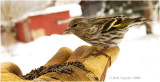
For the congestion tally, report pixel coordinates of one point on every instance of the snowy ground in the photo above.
(138, 61)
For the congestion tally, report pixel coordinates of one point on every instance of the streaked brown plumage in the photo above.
(102, 31)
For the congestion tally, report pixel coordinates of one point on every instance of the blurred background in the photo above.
(25, 21)
(32, 31)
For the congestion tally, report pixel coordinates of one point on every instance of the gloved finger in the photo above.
(10, 68)
(61, 56)
(113, 55)
(77, 53)
(10, 72)
(97, 64)
(87, 53)
(103, 76)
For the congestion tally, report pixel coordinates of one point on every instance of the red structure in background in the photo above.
(36, 26)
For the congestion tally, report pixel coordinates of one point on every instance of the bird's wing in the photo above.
(127, 21)
(108, 24)
(101, 22)
(121, 22)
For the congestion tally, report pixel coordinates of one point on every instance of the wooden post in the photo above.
(148, 13)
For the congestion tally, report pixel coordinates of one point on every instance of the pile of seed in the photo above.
(58, 68)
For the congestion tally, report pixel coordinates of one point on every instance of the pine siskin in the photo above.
(102, 31)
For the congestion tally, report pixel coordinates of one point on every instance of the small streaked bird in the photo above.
(102, 31)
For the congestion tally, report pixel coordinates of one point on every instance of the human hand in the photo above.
(67, 65)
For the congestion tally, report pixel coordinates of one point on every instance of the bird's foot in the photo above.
(100, 52)
(97, 52)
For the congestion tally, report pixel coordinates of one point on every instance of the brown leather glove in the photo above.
(66, 65)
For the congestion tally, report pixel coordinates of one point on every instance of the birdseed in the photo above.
(58, 68)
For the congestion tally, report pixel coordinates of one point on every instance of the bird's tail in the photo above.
(141, 19)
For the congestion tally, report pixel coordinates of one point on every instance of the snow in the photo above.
(138, 60)
(35, 54)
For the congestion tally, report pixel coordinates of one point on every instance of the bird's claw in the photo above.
(97, 52)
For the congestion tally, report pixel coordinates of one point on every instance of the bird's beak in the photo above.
(67, 31)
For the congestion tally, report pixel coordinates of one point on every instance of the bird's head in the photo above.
(76, 26)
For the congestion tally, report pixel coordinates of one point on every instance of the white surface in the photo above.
(139, 55)
(139, 58)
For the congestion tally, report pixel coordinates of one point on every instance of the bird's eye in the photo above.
(74, 25)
